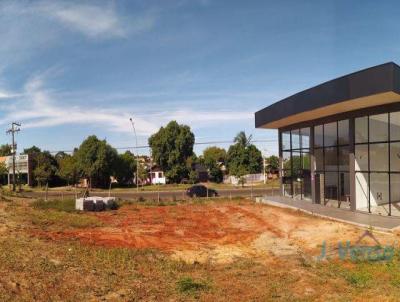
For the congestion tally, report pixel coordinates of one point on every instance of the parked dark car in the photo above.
(200, 191)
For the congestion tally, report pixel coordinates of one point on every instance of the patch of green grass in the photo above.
(51, 216)
(66, 205)
(187, 285)
(48, 218)
(359, 279)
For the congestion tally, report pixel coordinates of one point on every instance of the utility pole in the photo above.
(137, 156)
(14, 129)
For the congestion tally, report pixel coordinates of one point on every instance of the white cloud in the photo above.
(202, 118)
(38, 107)
(91, 20)
(94, 19)
(4, 94)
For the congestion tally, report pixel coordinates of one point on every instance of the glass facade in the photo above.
(372, 140)
(296, 163)
(377, 163)
(332, 164)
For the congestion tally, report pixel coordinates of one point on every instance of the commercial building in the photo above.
(339, 142)
(23, 173)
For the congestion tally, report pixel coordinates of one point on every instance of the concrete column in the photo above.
(352, 164)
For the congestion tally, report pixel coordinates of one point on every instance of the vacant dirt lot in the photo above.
(209, 251)
(216, 232)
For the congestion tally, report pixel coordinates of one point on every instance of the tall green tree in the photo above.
(96, 160)
(243, 157)
(213, 158)
(67, 168)
(125, 167)
(44, 166)
(214, 155)
(171, 147)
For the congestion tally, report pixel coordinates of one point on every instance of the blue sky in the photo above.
(70, 69)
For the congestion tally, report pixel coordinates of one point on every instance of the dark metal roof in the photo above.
(374, 80)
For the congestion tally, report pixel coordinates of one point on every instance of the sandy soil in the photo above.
(217, 233)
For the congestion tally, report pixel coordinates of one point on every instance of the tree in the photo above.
(5, 150)
(273, 163)
(44, 166)
(96, 160)
(67, 168)
(3, 173)
(125, 167)
(242, 139)
(216, 174)
(213, 158)
(171, 147)
(193, 177)
(243, 157)
(44, 169)
(32, 150)
(255, 159)
(212, 155)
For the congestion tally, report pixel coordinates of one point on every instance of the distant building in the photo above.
(23, 168)
(201, 171)
(157, 176)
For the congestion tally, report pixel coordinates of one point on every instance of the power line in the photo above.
(199, 143)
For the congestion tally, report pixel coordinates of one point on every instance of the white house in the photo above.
(157, 176)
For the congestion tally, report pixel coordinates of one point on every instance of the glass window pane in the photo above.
(286, 173)
(343, 158)
(318, 136)
(296, 159)
(331, 163)
(331, 185)
(395, 157)
(286, 140)
(344, 186)
(330, 134)
(362, 191)
(361, 131)
(395, 126)
(306, 161)
(307, 185)
(286, 160)
(319, 159)
(378, 127)
(379, 184)
(305, 138)
(379, 154)
(395, 193)
(296, 139)
(361, 155)
(343, 132)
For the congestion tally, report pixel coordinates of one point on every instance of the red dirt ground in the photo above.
(172, 227)
(226, 228)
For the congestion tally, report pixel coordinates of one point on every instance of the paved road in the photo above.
(133, 195)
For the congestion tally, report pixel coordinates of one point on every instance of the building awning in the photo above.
(374, 86)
